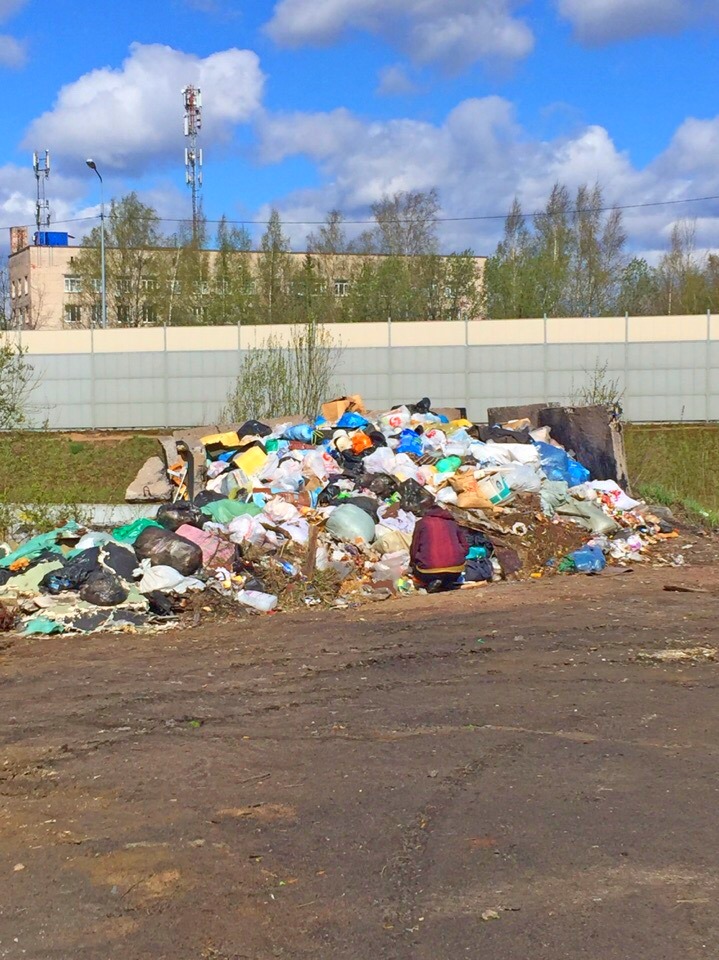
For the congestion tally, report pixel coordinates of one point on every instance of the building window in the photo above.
(73, 313)
(27, 286)
(148, 283)
(175, 286)
(72, 284)
(96, 314)
(202, 287)
(123, 315)
(124, 285)
(149, 313)
(12, 290)
(97, 284)
(342, 288)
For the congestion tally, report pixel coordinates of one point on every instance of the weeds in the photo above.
(34, 519)
(278, 379)
(599, 388)
(677, 466)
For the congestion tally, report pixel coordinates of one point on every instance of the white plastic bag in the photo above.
(395, 420)
(165, 579)
(521, 478)
(382, 460)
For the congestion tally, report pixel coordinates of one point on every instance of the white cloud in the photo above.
(452, 33)
(479, 158)
(12, 52)
(17, 198)
(129, 117)
(10, 7)
(394, 82)
(604, 21)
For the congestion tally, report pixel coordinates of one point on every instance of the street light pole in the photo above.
(103, 320)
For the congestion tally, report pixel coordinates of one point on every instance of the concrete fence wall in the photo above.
(668, 367)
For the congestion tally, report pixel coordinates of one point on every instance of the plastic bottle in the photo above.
(263, 602)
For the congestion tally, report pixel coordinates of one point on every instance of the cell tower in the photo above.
(193, 157)
(41, 166)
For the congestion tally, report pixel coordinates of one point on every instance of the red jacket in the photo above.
(438, 543)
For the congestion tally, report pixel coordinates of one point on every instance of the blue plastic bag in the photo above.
(577, 473)
(410, 442)
(303, 432)
(558, 465)
(588, 560)
(352, 421)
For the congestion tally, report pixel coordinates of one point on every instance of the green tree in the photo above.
(510, 274)
(597, 261)
(232, 286)
(553, 232)
(274, 273)
(684, 286)
(5, 302)
(135, 266)
(639, 289)
(406, 224)
(330, 239)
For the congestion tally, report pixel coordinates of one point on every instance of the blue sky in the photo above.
(315, 104)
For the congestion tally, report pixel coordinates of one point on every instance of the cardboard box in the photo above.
(333, 410)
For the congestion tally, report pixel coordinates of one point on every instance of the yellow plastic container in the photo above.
(251, 461)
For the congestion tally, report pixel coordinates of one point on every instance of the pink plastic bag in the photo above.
(215, 552)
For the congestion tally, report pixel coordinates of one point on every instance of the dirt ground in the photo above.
(499, 773)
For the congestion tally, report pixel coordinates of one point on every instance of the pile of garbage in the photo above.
(349, 508)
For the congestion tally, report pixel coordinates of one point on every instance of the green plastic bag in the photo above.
(225, 511)
(131, 531)
(449, 464)
(33, 548)
(43, 627)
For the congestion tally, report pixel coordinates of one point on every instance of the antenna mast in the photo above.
(193, 157)
(41, 166)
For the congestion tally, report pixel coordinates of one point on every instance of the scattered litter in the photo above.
(688, 655)
(349, 508)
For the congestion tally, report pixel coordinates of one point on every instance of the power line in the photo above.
(471, 219)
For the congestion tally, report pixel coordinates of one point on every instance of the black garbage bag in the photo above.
(164, 548)
(5, 575)
(382, 485)
(329, 495)
(120, 560)
(498, 434)
(161, 604)
(73, 573)
(414, 498)
(378, 439)
(478, 569)
(174, 515)
(103, 589)
(207, 496)
(351, 463)
(253, 428)
(422, 406)
(368, 504)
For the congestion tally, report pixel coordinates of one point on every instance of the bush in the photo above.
(278, 380)
(17, 382)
